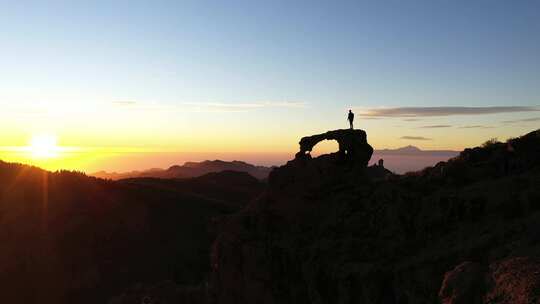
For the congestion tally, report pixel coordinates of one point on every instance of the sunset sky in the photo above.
(141, 84)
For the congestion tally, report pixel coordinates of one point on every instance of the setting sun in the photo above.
(44, 146)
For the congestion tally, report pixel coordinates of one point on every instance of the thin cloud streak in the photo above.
(442, 111)
(241, 107)
(415, 138)
(476, 127)
(210, 107)
(522, 120)
(23, 108)
(124, 103)
(435, 127)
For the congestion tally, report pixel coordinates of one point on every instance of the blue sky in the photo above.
(293, 67)
(379, 53)
(389, 52)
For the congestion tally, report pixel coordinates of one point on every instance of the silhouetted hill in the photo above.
(325, 231)
(328, 229)
(191, 169)
(70, 238)
(129, 174)
(229, 188)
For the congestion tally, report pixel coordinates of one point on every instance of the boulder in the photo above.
(464, 284)
(513, 280)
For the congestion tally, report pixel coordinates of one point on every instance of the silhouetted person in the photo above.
(351, 118)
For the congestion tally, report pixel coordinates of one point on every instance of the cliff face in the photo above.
(327, 231)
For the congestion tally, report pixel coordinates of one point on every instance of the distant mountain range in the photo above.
(410, 158)
(191, 169)
(400, 160)
(413, 150)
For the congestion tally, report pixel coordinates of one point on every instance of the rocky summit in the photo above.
(305, 173)
(326, 231)
(353, 146)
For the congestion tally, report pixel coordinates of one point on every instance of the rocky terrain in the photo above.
(329, 230)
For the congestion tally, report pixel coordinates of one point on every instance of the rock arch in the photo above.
(352, 145)
(324, 147)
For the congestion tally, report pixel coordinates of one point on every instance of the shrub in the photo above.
(490, 143)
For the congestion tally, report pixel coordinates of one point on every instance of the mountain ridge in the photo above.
(410, 149)
(326, 232)
(191, 169)
(400, 160)
(73, 238)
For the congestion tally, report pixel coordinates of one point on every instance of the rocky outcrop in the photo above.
(243, 269)
(305, 173)
(325, 231)
(353, 146)
(464, 284)
(510, 281)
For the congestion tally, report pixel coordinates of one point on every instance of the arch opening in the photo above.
(325, 147)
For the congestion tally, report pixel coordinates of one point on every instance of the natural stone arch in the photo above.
(352, 145)
(325, 146)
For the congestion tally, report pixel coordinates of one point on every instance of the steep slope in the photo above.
(70, 238)
(325, 231)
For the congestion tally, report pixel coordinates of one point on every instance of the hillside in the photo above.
(228, 188)
(463, 231)
(70, 238)
(191, 169)
(329, 229)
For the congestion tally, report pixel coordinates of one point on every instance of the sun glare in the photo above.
(44, 146)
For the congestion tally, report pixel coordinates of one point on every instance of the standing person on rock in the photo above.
(350, 118)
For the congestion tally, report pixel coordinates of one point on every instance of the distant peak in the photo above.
(409, 148)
